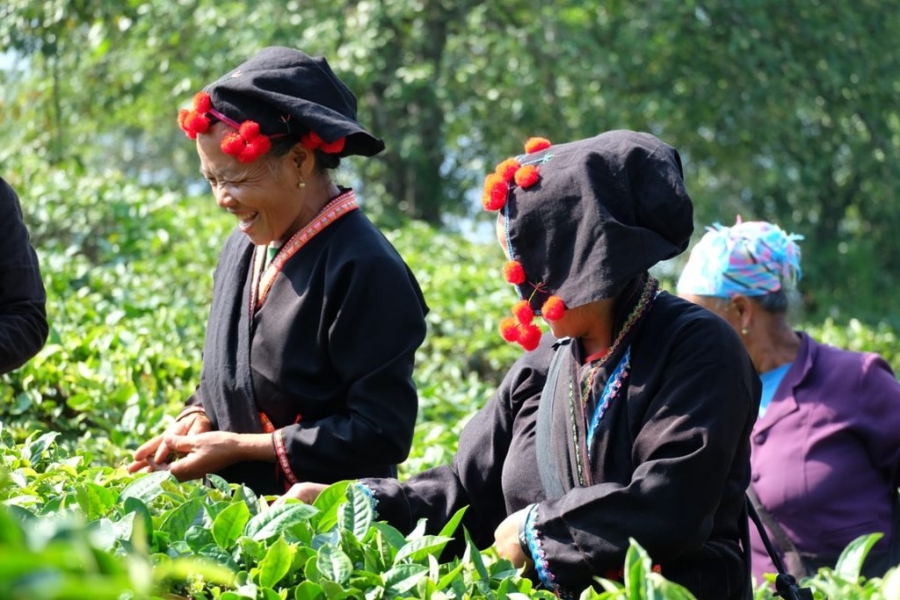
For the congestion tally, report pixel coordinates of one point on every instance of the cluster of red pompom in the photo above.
(312, 141)
(520, 328)
(496, 184)
(195, 121)
(247, 143)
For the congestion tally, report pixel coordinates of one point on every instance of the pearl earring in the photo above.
(744, 331)
(301, 184)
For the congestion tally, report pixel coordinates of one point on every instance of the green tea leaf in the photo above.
(356, 515)
(147, 488)
(422, 547)
(177, 521)
(478, 561)
(402, 578)
(219, 483)
(308, 590)
(851, 560)
(276, 564)
(450, 527)
(143, 524)
(328, 503)
(276, 520)
(333, 564)
(95, 500)
(35, 449)
(229, 525)
(450, 576)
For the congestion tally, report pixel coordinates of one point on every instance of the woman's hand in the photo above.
(203, 453)
(506, 539)
(153, 455)
(306, 492)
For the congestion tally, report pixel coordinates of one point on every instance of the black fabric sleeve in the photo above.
(476, 477)
(23, 317)
(374, 332)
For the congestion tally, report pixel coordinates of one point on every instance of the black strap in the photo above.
(785, 584)
(793, 562)
(547, 466)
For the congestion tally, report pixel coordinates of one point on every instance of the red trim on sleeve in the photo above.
(281, 454)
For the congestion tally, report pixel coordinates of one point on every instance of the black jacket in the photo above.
(670, 460)
(23, 317)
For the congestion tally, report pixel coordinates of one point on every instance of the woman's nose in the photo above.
(223, 197)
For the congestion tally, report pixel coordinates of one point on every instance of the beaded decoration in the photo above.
(247, 142)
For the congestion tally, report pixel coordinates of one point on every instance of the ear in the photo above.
(745, 310)
(303, 159)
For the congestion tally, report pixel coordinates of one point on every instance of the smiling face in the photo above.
(263, 195)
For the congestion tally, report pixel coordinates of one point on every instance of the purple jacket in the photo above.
(827, 451)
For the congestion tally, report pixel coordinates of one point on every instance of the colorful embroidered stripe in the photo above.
(536, 548)
(610, 391)
(334, 210)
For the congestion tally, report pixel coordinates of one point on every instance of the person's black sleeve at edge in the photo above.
(23, 317)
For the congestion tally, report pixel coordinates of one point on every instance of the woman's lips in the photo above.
(246, 220)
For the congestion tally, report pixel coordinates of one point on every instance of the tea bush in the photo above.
(72, 529)
(128, 270)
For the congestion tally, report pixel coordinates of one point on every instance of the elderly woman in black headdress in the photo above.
(632, 419)
(315, 319)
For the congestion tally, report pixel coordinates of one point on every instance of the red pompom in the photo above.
(195, 121)
(201, 102)
(523, 312)
(249, 130)
(527, 176)
(494, 196)
(553, 308)
(507, 169)
(529, 336)
(311, 140)
(509, 329)
(247, 143)
(232, 144)
(192, 123)
(254, 149)
(536, 144)
(335, 147)
(514, 273)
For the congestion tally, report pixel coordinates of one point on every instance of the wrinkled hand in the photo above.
(153, 455)
(506, 539)
(306, 492)
(202, 453)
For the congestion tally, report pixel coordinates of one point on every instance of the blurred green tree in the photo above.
(783, 110)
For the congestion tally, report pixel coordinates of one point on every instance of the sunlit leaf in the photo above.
(229, 524)
(276, 564)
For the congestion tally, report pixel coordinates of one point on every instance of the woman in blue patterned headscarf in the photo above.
(825, 453)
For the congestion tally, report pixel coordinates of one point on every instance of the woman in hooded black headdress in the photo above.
(632, 419)
(315, 319)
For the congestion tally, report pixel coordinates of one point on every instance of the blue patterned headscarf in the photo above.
(753, 258)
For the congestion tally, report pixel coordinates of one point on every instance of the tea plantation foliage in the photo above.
(128, 273)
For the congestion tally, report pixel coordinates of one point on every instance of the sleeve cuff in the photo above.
(282, 457)
(531, 538)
